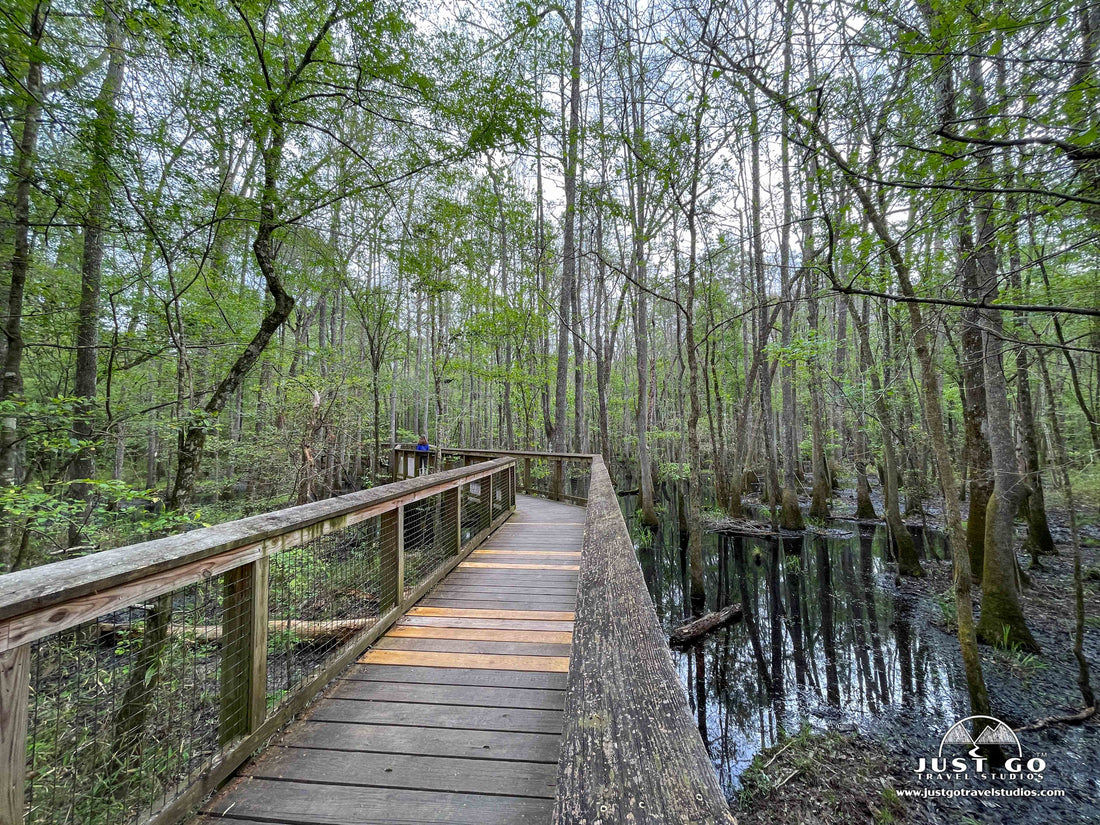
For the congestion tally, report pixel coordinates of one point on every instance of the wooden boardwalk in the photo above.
(455, 715)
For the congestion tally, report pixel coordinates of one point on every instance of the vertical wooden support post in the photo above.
(244, 650)
(15, 666)
(512, 488)
(555, 479)
(527, 475)
(392, 557)
(261, 580)
(452, 503)
(487, 489)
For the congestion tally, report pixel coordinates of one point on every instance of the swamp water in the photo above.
(829, 640)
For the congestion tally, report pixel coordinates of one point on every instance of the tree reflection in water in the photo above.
(825, 640)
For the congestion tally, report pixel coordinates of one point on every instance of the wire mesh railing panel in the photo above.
(500, 494)
(535, 479)
(123, 711)
(475, 515)
(578, 475)
(563, 478)
(431, 537)
(128, 711)
(322, 595)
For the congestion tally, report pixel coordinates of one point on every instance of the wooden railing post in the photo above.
(512, 487)
(244, 650)
(555, 479)
(15, 666)
(392, 556)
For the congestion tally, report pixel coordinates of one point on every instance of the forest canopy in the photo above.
(248, 247)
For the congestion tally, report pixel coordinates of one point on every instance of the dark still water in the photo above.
(829, 640)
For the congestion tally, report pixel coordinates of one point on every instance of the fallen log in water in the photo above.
(685, 634)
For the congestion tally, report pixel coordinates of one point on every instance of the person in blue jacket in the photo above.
(422, 450)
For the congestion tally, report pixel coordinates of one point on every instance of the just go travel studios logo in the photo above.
(992, 752)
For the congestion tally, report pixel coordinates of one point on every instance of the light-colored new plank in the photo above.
(484, 624)
(501, 565)
(550, 636)
(466, 661)
(496, 551)
(474, 613)
(541, 524)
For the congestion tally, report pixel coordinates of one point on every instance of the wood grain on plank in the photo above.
(510, 590)
(431, 694)
(511, 566)
(630, 749)
(487, 624)
(547, 545)
(479, 634)
(476, 661)
(426, 773)
(411, 714)
(14, 695)
(496, 551)
(499, 604)
(304, 803)
(540, 524)
(548, 601)
(472, 613)
(467, 744)
(452, 676)
(518, 582)
(466, 646)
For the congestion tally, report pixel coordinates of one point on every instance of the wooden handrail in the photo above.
(50, 585)
(40, 602)
(630, 749)
(401, 466)
(500, 451)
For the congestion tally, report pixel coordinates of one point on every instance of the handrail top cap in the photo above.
(38, 588)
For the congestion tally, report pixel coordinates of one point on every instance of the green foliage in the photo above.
(949, 615)
(674, 471)
(1013, 654)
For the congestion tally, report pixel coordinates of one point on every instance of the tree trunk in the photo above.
(976, 448)
(11, 343)
(569, 248)
(192, 437)
(908, 561)
(773, 494)
(790, 513)
(103, 137)
(865, 508)
(1002, 619)
(1061, 474)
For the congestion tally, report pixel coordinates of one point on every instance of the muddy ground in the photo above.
(853, 776)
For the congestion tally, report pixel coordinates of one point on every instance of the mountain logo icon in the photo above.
(990, 731)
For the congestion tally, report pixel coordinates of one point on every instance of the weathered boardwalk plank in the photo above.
(454, 716)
